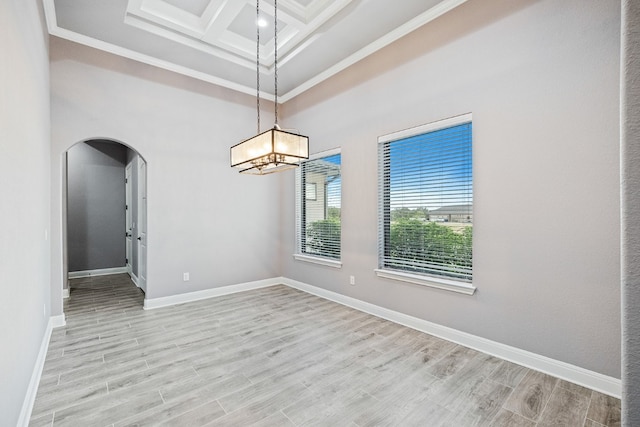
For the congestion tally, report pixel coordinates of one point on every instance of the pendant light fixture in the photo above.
(274, 150)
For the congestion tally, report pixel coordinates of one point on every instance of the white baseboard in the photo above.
(58, 321)
(65, 293)
(100, 272)
(32, 390)
(575, 374)
(208, 293)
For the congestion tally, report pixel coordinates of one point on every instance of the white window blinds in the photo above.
(426, 200)
(318, 204)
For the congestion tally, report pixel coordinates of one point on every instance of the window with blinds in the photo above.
(426, 200)
(318, 203)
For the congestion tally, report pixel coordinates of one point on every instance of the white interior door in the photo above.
(142, 225)
(129, 219)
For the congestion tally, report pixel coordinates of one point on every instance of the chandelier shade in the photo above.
(272, 151)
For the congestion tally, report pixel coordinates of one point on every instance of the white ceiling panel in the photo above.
(195, 7)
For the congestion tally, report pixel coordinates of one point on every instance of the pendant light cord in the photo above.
(275, 57)
(258, 61)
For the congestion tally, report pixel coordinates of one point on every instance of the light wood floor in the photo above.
(280, 357)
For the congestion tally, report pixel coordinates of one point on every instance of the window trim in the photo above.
(327, 262)
(427, 280)
(426, 128)
(422, 279)
(299, 255)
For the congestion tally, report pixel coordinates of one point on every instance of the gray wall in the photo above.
(630, 194)
(96, 205)
(542, 81)
(24, 191)
(203, 217)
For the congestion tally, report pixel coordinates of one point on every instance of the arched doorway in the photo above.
(104, 213)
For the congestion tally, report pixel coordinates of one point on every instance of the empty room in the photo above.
(320, 212)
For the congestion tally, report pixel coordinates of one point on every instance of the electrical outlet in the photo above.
(185, 277)
(352, 280)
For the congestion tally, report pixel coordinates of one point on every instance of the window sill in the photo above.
(433, 282)
(317, 260)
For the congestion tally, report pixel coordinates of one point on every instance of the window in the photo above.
(426, 205)
(318, 200)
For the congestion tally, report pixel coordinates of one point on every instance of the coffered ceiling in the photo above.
(215, 40)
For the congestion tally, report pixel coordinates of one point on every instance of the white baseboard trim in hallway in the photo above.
(208, 293)
(575, 374)
(100, 272)
(32, 390)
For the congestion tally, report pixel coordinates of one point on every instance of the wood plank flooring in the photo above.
(281, 357)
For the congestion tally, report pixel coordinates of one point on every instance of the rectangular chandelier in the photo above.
(272, 151)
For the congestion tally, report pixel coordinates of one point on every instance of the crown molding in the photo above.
(420, 20)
